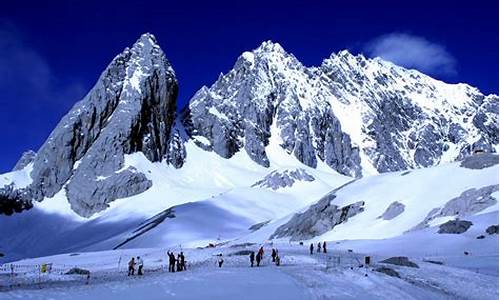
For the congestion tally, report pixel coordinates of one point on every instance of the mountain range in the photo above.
(265, 151)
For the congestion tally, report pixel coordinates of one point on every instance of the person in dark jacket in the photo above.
(273, 255)
(178, 262)
(311, 248)
(258, 258)
(183, 262)
(319, 247)
(171, 261)
(252, 258)
(324, 247)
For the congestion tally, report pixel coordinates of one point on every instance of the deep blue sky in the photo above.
(51, 54)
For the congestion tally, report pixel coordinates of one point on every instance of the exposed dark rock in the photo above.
(493, 229)
(400, 261)
(258, 226)
(388, 271)
(454, 227)
(468, 203)
(480, 237)
(286, 178)
(318, 219)
(436, 262)
(77, 271)
(14, 200)
(394, 210)
(480, 161)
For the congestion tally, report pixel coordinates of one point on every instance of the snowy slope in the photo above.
(429, 196)
(229, 206)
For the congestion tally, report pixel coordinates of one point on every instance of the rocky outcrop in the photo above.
(400, 261)
(27, 158)
(14, 200)
(318, 219)
(493, 229)
(468, 203)
(276, 179)
(454, 227)
(394, 210)
(479, 161)
(131, 108)
(388, 271)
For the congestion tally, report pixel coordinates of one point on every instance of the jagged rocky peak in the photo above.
(356, 114)
(269, 90)
(406, 119)
(131, 108)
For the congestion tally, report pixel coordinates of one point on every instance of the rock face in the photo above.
(347, 110)
(13, 200)
(394, 210)
(455, 227)
(269, 92)
(468, 203)
(286, 178)
(131, 108)
(400, 261)
(388, 271)
(493, 229)
(318, 219)
(27, 158)
(480, 161)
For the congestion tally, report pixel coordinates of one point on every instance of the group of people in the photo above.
(311, 248)
(260, 255)
(135, 262)
(179, 263)
(176, 264)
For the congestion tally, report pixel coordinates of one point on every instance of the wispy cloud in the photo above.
(25, 74)
(412, 51)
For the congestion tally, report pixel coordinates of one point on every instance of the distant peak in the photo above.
(270, 46)
(148, 37)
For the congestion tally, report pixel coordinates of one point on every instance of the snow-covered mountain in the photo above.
(252, 157)
(357, 115)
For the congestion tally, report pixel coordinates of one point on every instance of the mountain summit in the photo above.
(357, 115)
(131, 108)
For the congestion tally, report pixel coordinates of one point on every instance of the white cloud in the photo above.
(25, 74)
(413, 52)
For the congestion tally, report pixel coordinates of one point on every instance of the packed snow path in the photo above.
(301, 276)
(224, 283)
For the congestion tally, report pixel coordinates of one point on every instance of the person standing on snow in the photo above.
(273, 255)
(252, 258)
(324, 247)
(183, 262)
(311, 248)
(178, 262)
(258, 258)
(319, 247)
(140, 264)
(278, 259)
(171, 261)
(131, 267)
(220, 261)
(261, 252)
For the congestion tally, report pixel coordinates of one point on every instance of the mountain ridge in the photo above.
(358, 116)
